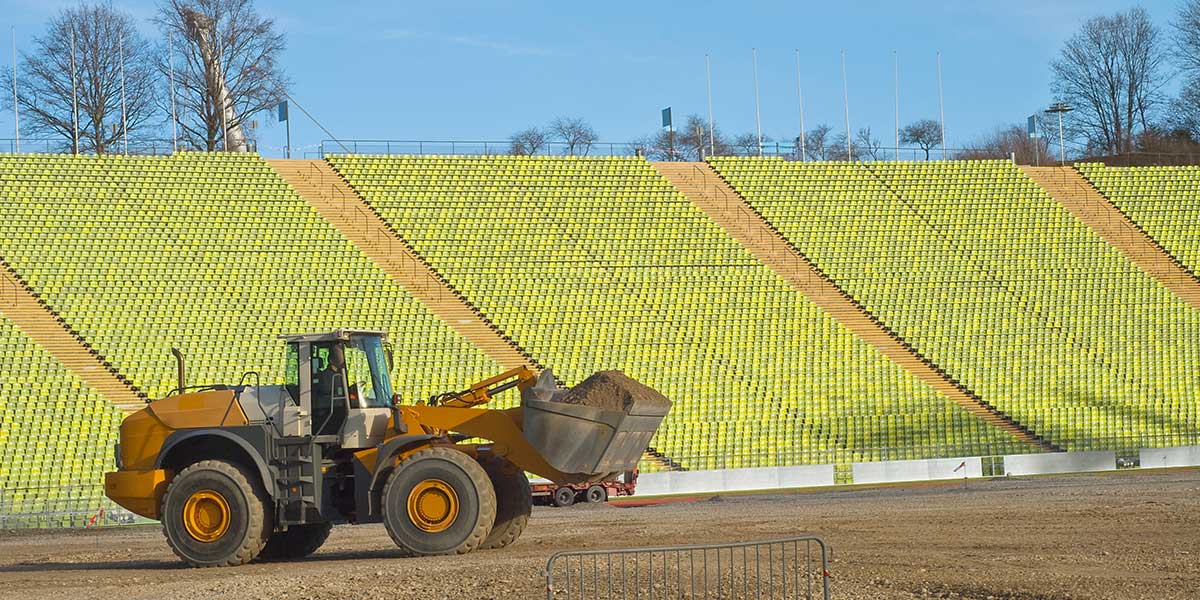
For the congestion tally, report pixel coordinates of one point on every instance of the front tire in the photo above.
(215, 515)
(298, 541)
(514, 501)
(438, 501)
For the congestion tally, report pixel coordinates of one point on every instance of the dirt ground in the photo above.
(1127, 535)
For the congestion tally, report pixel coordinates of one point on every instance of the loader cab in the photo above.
(341, 386)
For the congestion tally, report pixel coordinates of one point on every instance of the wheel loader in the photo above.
(245, 471)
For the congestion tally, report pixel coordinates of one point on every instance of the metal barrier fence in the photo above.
(789, 568)
(68, 506)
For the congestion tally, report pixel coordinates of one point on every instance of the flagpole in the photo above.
(171, 74)
(800, 97)
(16, 108)
(708, 87)
(124, 118)
(941, 104)
(757, 113)
(896, 55)
(74, 94)
(846, 103)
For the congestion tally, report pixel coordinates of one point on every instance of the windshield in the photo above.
(367, 372)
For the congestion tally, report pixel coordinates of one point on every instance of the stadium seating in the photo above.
(56, 437)
(599, 263)
(986, 275)
(1161, 200)
(211, 253)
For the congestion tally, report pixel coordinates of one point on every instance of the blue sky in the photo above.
(481, 70)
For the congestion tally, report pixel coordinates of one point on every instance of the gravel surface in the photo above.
(1127, 535)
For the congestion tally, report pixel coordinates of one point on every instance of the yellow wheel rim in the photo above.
(432, 505)
(206, 516)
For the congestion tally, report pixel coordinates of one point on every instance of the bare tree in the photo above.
(527, 142)
(925, 133)
(228, 71)
(868, 145)
(101, 35)
(747, 144)
(575, 132)
(694, 140)
(1110, 72)
(1006, 142)
(1185, 109)
(816, 142)
(664, 145)
(835, 148)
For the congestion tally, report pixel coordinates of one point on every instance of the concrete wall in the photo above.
(917, 470)
(768, 478)
(1186, 456)
(1060, 462)
(733, 480)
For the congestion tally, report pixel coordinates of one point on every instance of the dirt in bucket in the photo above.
(613, 390)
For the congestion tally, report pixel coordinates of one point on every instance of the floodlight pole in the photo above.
(1060, 108)
(757, 113)
(846, 104)
(708, 88)
(800, 99)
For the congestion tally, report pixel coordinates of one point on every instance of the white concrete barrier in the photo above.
(733, 480)
(889, 471)
(1157, 458)
(1060, 462)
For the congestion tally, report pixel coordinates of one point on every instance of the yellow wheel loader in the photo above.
(236, 472)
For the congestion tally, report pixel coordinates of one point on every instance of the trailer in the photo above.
(548, 493)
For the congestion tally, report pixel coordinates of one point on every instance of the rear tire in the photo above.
(298, 541)
(514, 501)
(438, 501)
(596, 494)
(215, 515)
(564, 497)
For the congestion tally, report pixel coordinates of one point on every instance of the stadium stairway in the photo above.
(712, 194)
(39, 321)
(1082, 199)
(330, 194)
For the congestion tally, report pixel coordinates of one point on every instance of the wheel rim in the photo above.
(206, 516)
(432, 505)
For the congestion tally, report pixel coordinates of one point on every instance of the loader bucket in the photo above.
(577, 438)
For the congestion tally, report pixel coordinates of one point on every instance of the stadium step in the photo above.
(1075, 193)
(40, 322)
(709, 192)
(332, 197)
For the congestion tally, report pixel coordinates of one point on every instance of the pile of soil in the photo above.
(613, 390)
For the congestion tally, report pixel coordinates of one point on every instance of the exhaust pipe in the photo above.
(182, 374)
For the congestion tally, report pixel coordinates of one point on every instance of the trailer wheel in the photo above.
(297, 542)
(438, 501)
(514, 501)
(596, 494)
(564, 497)
(214, 514)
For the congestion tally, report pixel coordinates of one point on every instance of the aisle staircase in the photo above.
(39, 321)
(338, 203)
(727, 208)
(1083, 200)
